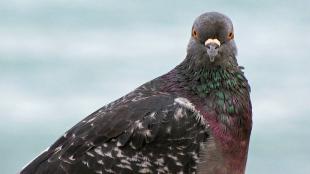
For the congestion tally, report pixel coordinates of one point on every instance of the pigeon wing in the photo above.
(149, 132)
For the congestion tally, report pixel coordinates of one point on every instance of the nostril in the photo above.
(212, 44)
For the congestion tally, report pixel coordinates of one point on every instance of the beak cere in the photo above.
(212, 48)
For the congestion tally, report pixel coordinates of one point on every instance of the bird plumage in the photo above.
(194, 119)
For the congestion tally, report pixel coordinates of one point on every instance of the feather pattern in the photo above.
(144, 131)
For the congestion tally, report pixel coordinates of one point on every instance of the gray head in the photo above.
(212, 40)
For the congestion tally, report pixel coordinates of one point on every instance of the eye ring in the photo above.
(230, 35)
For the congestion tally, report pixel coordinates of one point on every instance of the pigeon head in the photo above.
(212, 39)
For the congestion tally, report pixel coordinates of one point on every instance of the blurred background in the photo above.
(62, 60)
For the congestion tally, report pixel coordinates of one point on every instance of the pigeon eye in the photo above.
(230, 35)
(195, 34)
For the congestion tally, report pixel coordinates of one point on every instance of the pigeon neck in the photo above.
(216, 78)
(204, 79)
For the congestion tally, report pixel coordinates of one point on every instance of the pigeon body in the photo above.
(194, 119)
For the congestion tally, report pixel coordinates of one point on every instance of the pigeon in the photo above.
(197, 118)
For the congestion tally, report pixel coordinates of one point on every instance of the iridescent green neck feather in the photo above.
(218, 78)
(225, 86)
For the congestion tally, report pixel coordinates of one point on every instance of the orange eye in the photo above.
(230, 36)
(194, 34)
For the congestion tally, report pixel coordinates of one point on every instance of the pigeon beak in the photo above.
(212, 48)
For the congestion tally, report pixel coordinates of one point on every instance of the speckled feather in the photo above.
(194, 119)
(144, 132)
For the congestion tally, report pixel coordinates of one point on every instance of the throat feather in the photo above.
(217, 79)
(224, 91)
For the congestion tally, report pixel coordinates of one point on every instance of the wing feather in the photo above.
(118, 137)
